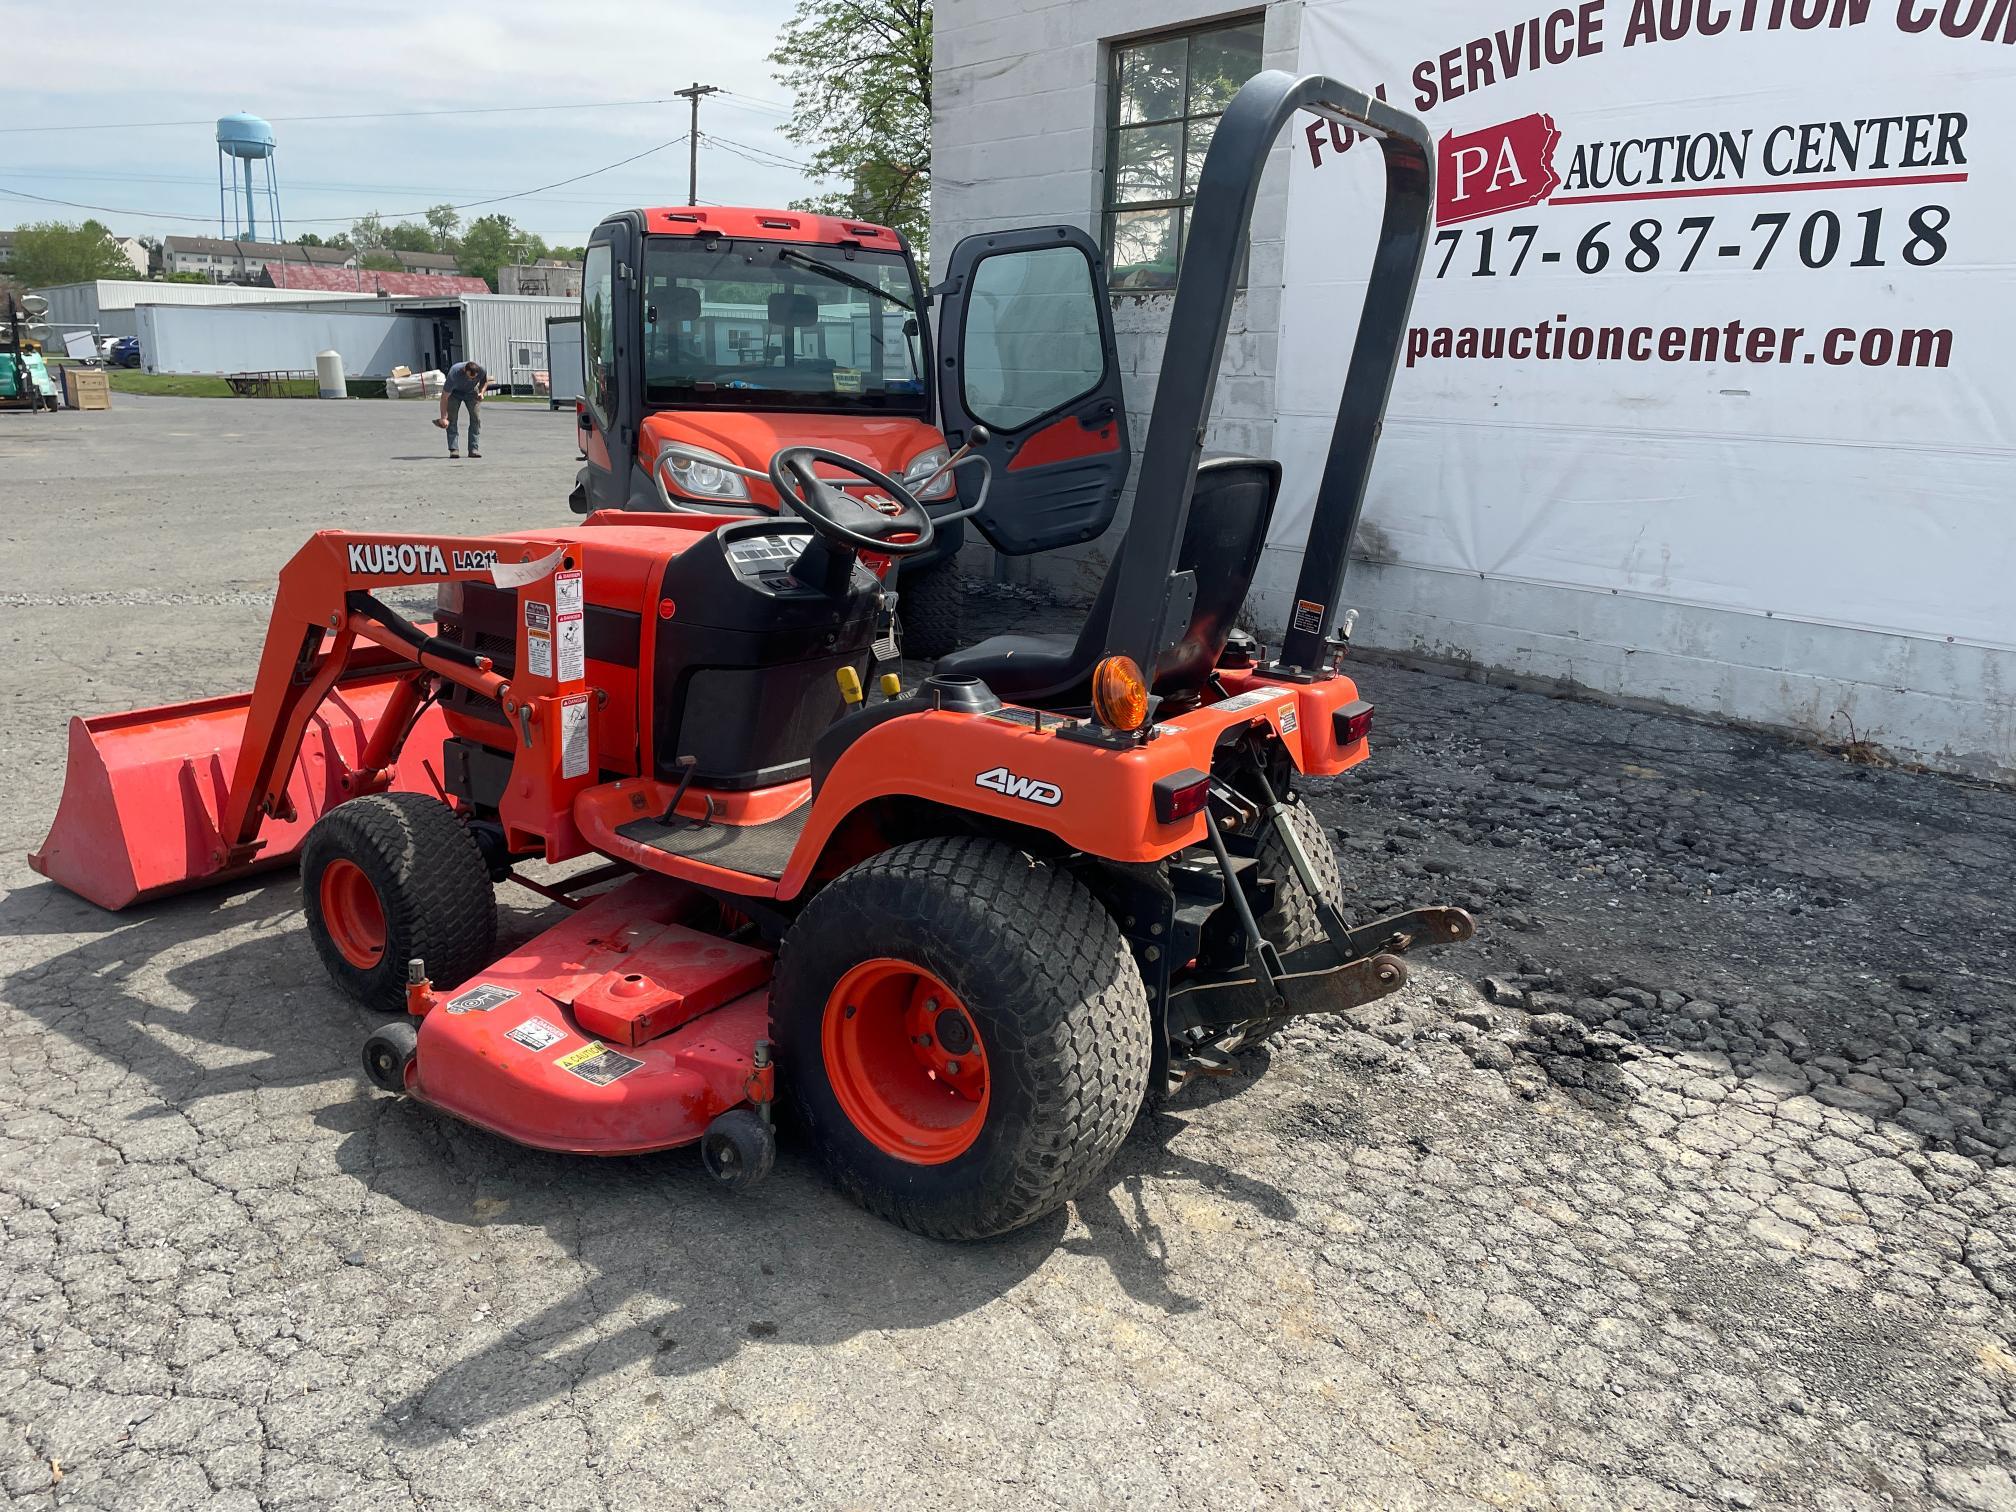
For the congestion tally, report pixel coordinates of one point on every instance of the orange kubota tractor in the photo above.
(714, 338)
(959, 932)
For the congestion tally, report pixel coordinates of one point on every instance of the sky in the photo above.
(178, 63)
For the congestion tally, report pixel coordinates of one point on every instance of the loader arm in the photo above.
(324, 607)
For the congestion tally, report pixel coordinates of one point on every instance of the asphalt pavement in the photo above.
(1691, 1182)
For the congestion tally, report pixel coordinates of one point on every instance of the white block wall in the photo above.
(1019, 139)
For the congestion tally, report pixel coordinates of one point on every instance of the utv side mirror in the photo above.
(910, 326)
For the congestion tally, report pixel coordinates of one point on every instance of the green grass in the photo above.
(180, 385)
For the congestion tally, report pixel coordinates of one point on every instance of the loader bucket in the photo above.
(144, 790)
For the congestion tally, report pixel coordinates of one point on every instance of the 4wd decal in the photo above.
(1030, 789)
(409, 559)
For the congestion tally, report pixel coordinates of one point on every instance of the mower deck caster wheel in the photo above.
(738, 1149)
(387, 1054)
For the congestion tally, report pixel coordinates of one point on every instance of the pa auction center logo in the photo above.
(1497, 168)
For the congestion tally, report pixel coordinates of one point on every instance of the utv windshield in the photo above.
(780, 325)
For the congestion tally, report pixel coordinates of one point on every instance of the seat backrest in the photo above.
(1230, 510)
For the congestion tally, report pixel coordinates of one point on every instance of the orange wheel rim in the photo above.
(352, 913)
(905, 1061)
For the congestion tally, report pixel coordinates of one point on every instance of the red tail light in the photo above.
(1181, 794)
(1352, 723)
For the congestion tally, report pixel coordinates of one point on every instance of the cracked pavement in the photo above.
(1690, 1182)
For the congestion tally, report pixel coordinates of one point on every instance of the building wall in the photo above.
(1019, 139)
(1020, 100)
(196, 339)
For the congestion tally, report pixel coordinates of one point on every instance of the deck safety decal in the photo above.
(536, 1034)
(1309, 616)
(481, 998)
(595, 1062)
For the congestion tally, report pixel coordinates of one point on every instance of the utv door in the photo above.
(611, 401)
(1025, 335)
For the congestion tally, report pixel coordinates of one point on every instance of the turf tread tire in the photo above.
(1053, 990)
(432, 883)
(932, 603)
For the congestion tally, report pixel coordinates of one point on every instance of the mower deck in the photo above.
(617, 1031)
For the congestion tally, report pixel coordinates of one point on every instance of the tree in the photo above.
(51, 252)
(444, 221)
(860, 76)
(409, 236)
(367, 232)
(379, 262)
(309, 239)
(494, 240)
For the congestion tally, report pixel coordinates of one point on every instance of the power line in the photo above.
(753, 152)
(317, 220)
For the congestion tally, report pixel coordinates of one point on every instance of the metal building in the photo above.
(106, 304)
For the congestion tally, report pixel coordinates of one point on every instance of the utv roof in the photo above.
(767, 225)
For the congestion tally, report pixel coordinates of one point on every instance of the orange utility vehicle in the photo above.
(715, 337)
(959, 932)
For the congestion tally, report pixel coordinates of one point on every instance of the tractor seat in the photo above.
(1230, 508)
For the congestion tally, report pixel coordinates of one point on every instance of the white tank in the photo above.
(329, 382)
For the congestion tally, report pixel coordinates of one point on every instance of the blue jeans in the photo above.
(457, 403)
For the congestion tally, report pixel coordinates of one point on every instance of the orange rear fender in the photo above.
(1093, 798)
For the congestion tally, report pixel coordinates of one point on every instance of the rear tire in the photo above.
(1292, 921)
(1040, 1060)
(390, 877)
(932, 602)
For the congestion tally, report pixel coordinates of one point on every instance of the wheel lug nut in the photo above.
(951, 1068)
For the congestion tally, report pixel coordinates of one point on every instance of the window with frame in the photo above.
(1165, 96)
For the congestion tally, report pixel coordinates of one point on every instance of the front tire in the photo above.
(390, 877)
(932, 602)
(964, 1034)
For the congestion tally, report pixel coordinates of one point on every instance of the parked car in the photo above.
(125, 352)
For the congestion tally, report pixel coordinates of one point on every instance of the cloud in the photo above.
(174, 64)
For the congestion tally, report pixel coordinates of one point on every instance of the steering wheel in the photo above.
(840, 518)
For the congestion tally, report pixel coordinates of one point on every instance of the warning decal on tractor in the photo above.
(538, 616)
(538, 652)
(573, 649)
(481, 998)
(596, 1062)
(1309, 616)
(574, 736)
(536, 1034)
(567, 593)
(1248, 700)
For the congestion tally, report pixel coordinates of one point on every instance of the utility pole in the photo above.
(693, 93)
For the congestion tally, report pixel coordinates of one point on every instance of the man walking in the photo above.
(466, 386)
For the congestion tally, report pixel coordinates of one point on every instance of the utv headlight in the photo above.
(922, 466)
(694, 478)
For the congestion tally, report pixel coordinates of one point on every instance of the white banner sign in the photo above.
(1719, 308)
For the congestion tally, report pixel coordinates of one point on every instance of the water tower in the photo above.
(244, 142)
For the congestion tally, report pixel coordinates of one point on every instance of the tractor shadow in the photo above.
(597, 1266)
